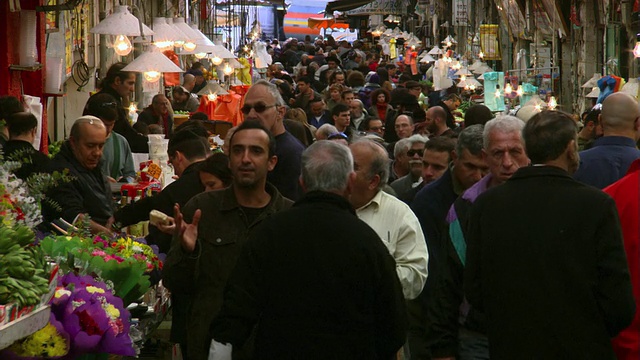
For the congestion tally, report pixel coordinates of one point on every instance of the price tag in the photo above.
(154, 171)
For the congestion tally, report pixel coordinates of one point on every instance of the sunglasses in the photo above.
(413, 152)
(376, 128)
(259, 108)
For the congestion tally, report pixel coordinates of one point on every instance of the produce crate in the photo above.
(24, 326)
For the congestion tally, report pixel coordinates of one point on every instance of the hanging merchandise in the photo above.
(263, 59)
(243, 73)
(490, 41)
(440, 72)
(33, 105)
(392, 48)
(631, 88)
(528, 91)
(608, 85)
(493, 91)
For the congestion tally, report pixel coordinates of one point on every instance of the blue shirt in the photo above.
(607, 161)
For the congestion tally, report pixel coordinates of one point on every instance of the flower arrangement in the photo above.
(50, 342)
(95, 319)
(16, 205)
(124, 263)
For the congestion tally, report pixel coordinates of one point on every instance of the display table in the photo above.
(24, 326)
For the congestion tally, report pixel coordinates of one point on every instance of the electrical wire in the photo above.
(80, 72)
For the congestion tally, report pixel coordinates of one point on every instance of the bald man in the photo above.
(89, 192)
(436, 122)
(189, 82)
(612, 154)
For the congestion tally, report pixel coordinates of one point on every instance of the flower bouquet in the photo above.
(124, 263)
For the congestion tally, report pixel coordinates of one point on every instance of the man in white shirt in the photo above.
(393, 220)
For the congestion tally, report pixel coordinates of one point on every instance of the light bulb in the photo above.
(152, 76)
(481, 55)
(463, 77)
(133, 108)
(413, 47)
(122, 45)
(636, 50)
(189, 46)
(245, 48)
(163, 45)
(178, 43)
(472, 87)
(212, 97)
(228, 70)
(201, 55)
(216, 60)
(497, 93)
(250, 54)
(520, 90)
(552, 103)
(538, 107)
(508, 89)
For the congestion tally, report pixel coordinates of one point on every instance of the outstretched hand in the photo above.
(188, 233)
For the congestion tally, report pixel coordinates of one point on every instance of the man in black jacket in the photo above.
(23, 128)
(120, 84)
(330, 293)
(89, 192)
(553, 281)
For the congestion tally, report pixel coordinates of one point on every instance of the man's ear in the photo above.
(302, 184)
(351, 180)
(281, 111)
(374, 183)
(272, 163)
(454, 155)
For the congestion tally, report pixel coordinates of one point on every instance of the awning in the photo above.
(323, 23)
(382, 7)
(344, 5)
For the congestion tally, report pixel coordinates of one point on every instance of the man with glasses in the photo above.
(264, 103)
(117, 160)
(404, 185)
(392, 219)
(374, 126)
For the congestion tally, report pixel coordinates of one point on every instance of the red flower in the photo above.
(89, 325)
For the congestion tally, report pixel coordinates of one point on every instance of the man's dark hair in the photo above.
(304, 79)
(401, 96)
(115, 72)
(593, 115)
(21, 123)
(355, 78)
(190, 144)
(180, 90)
(345, 92)
(455, 97)
(441, 144)
(103, 106)
(9, 105)
(339, 108)
(404, 78)
(199, 115)
(195, 126)
(477, 115)
(547, 134)
(419, 115)
(314, 100)
(390, 66)
(471, 139)
(255, 124)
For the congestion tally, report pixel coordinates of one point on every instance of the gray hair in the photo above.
(505, 124)
(417, 138)
(379, 161)
(359, 102)
(471, 139)
(273, 90)
(326, 166)
(324, 131)
(402, 146)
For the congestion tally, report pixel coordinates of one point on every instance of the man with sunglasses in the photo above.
(404, 185)
(264, 104)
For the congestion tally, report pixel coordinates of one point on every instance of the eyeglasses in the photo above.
(109, 104)
(412, 153)
(259, 108)
(338, 136)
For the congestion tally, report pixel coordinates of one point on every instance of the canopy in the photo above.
(323, 23)
(344, 5)
(381, 7)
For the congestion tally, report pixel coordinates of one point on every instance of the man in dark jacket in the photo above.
(327, 294)
(449, 104)
(23, 128)
(553, 281)
(204, 252)
(89, 192)
(120, 84)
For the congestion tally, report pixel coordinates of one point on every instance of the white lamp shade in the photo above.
(164, 32)
(472, 81)
(222, 52)
(152, 60)
(202, 39)
(186, 29)
(631, 87)
(180, 35)
(476, 64)
(427, 59)
(595, 93)
(213, 87)
(435, 51)
(592, 82)
(121, 22)
(464, 71)
(234, 63)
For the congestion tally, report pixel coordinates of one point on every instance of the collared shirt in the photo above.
(400, 231)
(607, 161)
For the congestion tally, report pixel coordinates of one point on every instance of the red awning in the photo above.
(323, 23)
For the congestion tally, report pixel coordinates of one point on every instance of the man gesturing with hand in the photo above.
(212, 228)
